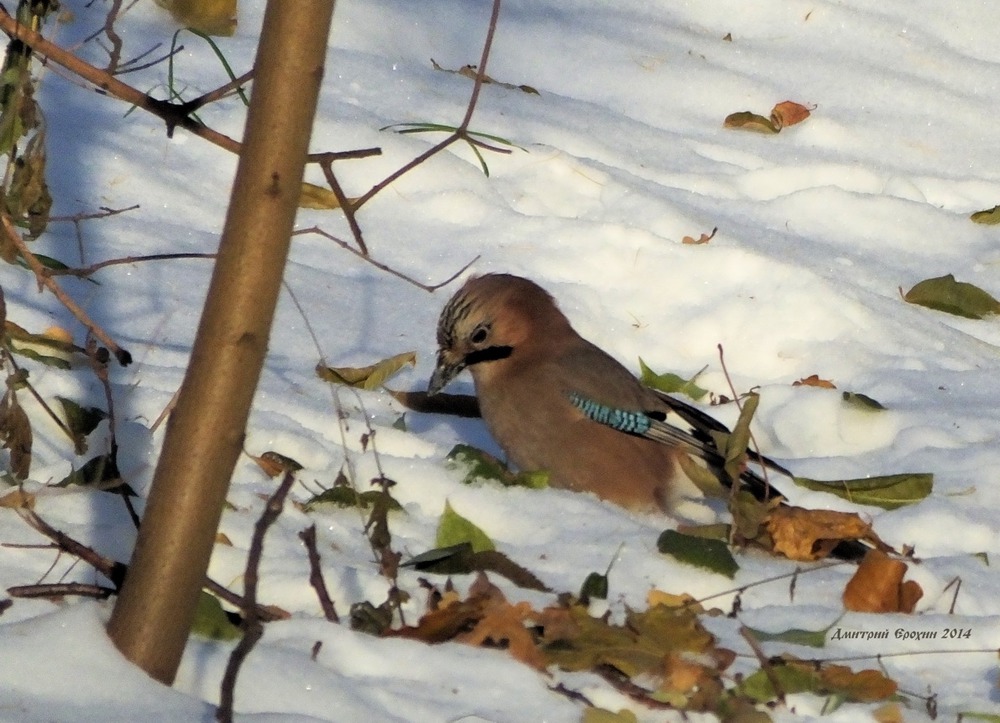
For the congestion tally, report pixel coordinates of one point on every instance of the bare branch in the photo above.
(308, 537)
(252, 627)
(44, 279)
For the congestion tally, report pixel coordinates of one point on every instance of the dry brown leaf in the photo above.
(484, 619)
(813, 380)
(802, 534)
(275, 464)
(788, 113)
(221, 538)
(878, 586)
(866, 686)
(703, 239)
(688, 683)
(16, 435)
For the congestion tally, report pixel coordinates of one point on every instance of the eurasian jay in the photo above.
(555, 402)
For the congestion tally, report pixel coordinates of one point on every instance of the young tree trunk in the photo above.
(153, 615)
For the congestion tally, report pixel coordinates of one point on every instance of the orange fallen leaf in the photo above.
(788, 113)
(18, 499)
(813, 380)
(878, 586)
(703, 239)
(275, 464)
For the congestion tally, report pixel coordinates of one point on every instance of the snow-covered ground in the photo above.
(623, 154)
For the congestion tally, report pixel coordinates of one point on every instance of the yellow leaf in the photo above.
(317, 197)
(369, 377)
(212, 17)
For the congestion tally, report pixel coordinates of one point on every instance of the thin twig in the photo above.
(116, 571)
(378, 264)
(103, 213)
(85, 271)
(308, 537)
(460, 133)
(345, 205)
(174, 115)
(122, 355)
(59, 589)
(253, 628)
(765, 664)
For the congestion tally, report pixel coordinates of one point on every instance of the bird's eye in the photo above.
(480, 334)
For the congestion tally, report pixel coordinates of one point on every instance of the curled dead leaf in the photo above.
(745, 120)
(802, 534)
(369, 377)
(703, 239)
(813, 380)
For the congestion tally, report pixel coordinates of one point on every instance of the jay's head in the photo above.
(493, 322)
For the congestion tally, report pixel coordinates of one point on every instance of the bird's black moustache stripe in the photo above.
(490, 353)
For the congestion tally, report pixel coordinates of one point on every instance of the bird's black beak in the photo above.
(447, 369)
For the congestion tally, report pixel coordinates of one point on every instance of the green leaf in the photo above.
(100, 472)
(370, 377)
(210, 620)
(453, 529)
(595, 586)
(739, 439)
(888, 492)
(863, 402)
(81, 420)
(346, 496)
(796, 636)
(990, 217)
(953, 297)
(711, 555)
(670, 383)
(481, 465)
